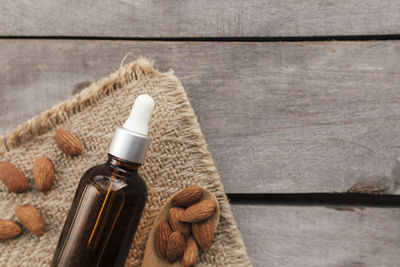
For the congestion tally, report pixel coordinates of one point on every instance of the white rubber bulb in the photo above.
(138, 121)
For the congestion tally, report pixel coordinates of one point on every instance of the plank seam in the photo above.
(316, 199)
(388, 37)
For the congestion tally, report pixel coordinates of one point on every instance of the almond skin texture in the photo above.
(176, 246)
(187, 196)
(191, 254)
(13, 178)
(199, 211)
(68, 143)
(203, 233)
(43, 173)
(9, 229)
(31, 218)
(174, 216)
(162, 233)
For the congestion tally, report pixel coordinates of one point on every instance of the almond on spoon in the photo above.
(162, 232)
(187, 196)
(199, 211)
(203, 233)
(176, 246)
(191, 254)
(174, 218)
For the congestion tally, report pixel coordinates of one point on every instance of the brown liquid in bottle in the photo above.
(105, 213)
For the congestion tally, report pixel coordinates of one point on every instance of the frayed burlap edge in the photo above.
(134, 71)
(60, 113)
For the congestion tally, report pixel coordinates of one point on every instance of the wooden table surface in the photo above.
(299, 102)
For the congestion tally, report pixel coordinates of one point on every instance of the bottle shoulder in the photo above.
(106, 177)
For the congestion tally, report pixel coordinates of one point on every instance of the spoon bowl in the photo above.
(151, 257)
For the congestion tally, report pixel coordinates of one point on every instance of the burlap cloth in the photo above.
(178, 157)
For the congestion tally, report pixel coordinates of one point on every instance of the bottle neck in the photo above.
(122, 164)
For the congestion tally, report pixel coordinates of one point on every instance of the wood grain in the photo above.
(278, 117)
(319, 236)
(199, 18)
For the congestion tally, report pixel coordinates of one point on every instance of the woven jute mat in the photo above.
(178, 157)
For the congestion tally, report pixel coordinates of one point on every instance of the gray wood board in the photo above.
(199, 18)
(319, 236)
(278, 117)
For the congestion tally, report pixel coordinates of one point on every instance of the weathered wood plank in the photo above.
(199, 18)
(278, 117)
(319, 236)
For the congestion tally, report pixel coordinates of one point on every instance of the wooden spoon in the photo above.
(151, 257)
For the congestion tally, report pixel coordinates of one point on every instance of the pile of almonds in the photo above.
(188, 227)
(43, 175)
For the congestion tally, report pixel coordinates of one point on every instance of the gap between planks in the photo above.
(317, 199)
(338, 38)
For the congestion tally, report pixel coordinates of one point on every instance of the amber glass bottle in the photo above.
(104, 216)
(110, 200)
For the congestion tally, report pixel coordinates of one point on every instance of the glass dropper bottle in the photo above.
(110, 199)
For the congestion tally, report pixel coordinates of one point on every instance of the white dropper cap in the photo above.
(138, 121)
(131, 142)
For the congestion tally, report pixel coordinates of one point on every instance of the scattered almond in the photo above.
(162, 233)
(199, 211)
(203, 233)
(176, 246)
(9, 229)
(13, 178)
(174, 216)
(188, 196)
(43, 173)
(31, 218)
(191, 253)
(68, 143)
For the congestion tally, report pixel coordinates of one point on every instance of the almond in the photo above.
(203, 233)
(162, 233)
(191, 253)
(199, 211)
(68, 143)
(176, 246)
(187, 196)
(174, 216)
(9, 229)
(31, 218)
(43, 173)
(13, 178)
